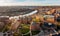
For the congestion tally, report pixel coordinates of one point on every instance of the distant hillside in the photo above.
(15, 8)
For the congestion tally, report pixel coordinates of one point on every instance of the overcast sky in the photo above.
(29, 2)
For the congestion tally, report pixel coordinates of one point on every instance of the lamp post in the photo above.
(30, 30)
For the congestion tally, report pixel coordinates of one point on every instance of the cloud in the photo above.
(29, 2)
(5, 1)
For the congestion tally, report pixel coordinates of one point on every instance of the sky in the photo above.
(29, 2)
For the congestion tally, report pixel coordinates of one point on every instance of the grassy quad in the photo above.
(26, 28)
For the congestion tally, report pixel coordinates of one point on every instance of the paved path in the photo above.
(1, 34)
